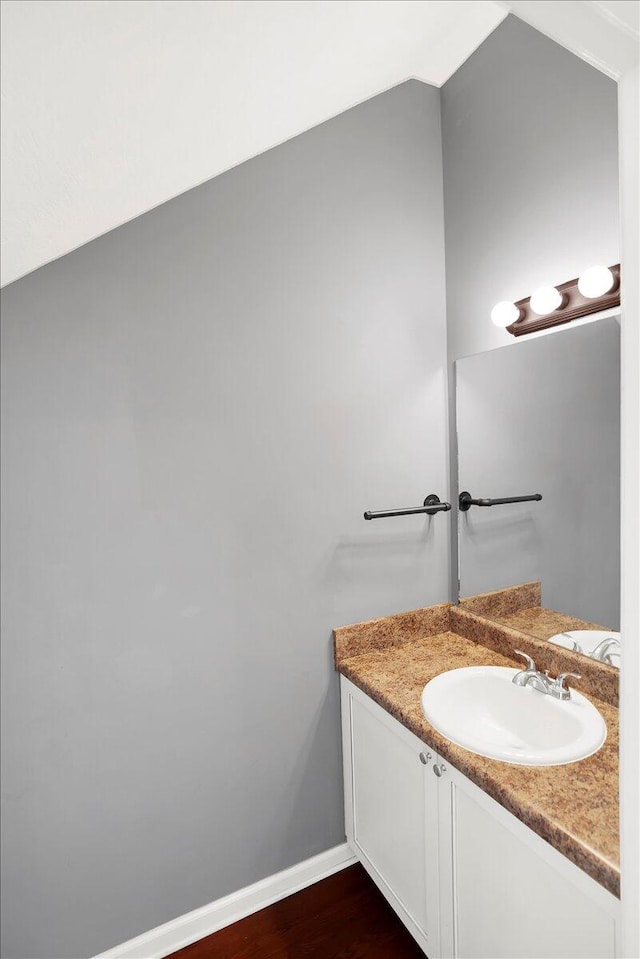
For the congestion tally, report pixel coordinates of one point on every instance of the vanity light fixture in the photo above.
(504, 314)
(546, 300)
(596, 281)
(598, 288)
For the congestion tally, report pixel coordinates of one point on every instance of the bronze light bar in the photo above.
(573, 304)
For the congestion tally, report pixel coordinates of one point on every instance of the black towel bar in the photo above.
(430, 506)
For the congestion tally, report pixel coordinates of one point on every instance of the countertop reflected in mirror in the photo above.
(520, 608)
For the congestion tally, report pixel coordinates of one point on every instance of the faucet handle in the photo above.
(531, 666)
(562, 691)
(562, 676)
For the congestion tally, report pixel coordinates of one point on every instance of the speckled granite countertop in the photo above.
(572, 807)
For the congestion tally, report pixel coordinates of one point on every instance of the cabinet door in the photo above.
(392, 812)
(507, 894)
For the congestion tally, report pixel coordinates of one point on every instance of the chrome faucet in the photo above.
(601, 652)
(530, 676)
(542, 681)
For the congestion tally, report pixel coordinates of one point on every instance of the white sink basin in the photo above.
(478, 707)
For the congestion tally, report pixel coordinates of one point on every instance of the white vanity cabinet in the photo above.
(391, 812)
(467, 878)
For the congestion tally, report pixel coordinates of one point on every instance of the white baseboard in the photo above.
(180, 932)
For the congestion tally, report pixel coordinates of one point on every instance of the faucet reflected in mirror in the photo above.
(543, 414)
(602, 651)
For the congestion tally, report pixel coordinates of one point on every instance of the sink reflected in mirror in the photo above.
(600, 644)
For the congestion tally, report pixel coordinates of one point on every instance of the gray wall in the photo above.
(196, 409)
(543, 416)
(529, 135)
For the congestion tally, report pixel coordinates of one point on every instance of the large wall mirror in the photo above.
(542, 417)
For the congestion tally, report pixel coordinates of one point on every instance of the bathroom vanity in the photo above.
(479, 858)
(482, 857)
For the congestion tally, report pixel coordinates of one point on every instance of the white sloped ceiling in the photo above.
(111, 107)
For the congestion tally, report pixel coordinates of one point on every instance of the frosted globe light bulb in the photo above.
(596, 281)
(504, 313)
(545, 300)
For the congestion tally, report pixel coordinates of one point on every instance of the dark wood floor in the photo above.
(342, 917)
